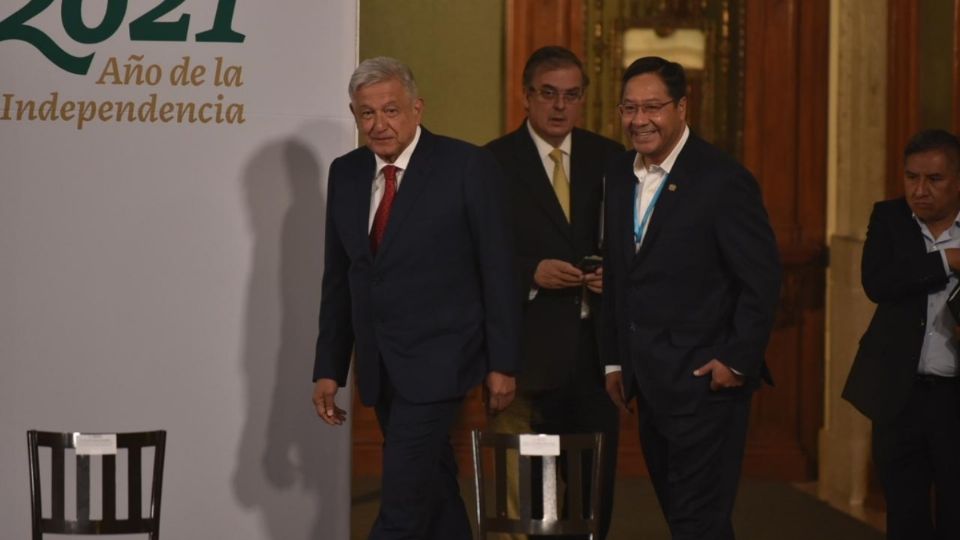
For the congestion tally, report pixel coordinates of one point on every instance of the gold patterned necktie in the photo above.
(561, 186)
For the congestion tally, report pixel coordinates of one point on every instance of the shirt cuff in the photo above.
(611, 368)
(533, 293)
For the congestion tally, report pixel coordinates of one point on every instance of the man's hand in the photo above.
(614, 384)
(324, 390)
(557, 274)
(500, 391)
(594, 281)
(721, 376)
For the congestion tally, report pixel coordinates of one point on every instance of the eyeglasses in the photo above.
(549, 94)
(630, 110)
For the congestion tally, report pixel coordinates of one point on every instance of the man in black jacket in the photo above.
(555, 189)
(691, 282)
(905, 375)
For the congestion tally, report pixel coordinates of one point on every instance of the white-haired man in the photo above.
(419, 282)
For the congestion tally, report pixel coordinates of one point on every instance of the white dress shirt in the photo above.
(544, 148)
(380, 182)
(938, 354)
(649, 179)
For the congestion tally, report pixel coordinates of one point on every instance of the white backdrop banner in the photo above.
(162, 194)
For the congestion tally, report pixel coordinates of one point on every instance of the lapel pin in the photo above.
(672, 187)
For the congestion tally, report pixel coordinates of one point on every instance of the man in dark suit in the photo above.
(555, 189)
(691, 282)
(905, 375)
(418, 278)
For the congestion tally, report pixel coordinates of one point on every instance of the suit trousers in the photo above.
(420, 495)
(917, 451)
(694, 462)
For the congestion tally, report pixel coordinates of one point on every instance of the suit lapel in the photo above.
(580, 195)
(680, 177)
(916, 237)
(363, 189)
(915, 240)
(621, 194)
(415, 178)
(536, 180)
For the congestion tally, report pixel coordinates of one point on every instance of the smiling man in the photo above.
(690, 285)
(418, 283)
(905, 377)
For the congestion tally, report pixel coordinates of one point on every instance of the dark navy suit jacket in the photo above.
(897, 274)
(704, 284)
(437, 304)
(551, 321)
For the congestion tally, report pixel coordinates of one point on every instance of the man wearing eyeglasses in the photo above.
(555, 186)
(691, 282)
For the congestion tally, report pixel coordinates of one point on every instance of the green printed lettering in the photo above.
(15, 27)
(72, 14)
(146, 27)
(222, 31)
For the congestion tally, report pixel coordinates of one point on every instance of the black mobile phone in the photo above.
(590, 263)
(953, 303)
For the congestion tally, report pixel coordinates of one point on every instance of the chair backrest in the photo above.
(568, 470)
(63, 444)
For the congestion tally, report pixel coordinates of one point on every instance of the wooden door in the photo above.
(785, 145)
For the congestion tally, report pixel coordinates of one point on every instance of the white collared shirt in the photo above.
(544, 148)
(651, 177)
(379, 182)
(938, 354)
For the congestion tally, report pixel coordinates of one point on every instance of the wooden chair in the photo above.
(135, 522)
(554, 521)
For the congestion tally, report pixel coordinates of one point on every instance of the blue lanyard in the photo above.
(640, 225)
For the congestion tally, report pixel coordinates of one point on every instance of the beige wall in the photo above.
(455, 48)
(857, 131)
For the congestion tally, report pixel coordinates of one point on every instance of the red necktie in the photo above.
(383, 211)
